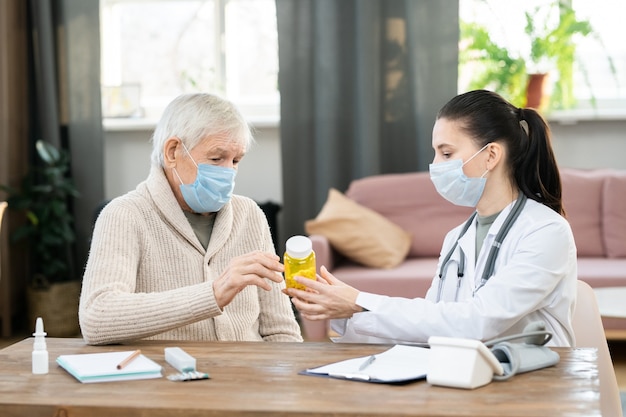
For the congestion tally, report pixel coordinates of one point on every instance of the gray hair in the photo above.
(194, 117)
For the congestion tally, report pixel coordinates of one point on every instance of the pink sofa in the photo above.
(595, 202)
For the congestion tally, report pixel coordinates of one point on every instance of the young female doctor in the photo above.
(512, 263)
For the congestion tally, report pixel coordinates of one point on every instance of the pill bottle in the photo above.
(299, 260)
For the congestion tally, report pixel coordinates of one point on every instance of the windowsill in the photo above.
(119, 124)
(125, 124)
(574, 116)
(563, 117)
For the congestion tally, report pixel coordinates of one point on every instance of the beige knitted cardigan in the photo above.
(148, 276)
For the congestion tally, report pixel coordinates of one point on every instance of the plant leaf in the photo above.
(48, 153)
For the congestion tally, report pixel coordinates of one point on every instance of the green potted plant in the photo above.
(552, 31)
(492, 66)
(555, 48)
(44, 197)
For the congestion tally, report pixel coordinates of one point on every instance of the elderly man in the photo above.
(180, 257)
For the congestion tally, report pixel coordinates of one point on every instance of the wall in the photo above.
(590, 144)
(127, 161)
(584, 144)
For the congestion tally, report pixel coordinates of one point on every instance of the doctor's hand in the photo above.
(254, 268)
(325, 298)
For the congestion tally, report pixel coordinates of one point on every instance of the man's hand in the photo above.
(253, 268)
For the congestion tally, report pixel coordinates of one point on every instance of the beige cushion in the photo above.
(360, 233)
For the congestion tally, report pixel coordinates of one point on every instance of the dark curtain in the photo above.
(360, 85)
(66, 103)
(14, 131)
(49, 89)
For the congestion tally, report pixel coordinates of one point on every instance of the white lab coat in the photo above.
(534, 279)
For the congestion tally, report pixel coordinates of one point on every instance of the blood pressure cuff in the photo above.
(517, 358)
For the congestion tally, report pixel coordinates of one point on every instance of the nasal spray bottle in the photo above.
(40, 352)
(299, 260)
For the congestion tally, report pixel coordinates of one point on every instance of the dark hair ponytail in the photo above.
(535, 170)
(487, 117)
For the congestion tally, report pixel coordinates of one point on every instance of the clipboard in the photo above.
(399, 364)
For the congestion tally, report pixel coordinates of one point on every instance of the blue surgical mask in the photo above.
(456, 187)
(212, 188)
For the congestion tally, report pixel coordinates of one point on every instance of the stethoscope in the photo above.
(493, 253)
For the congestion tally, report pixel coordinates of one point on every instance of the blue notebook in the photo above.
(102, 367)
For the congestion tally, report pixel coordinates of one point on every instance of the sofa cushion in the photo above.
(582, 199)
(359, 233)
(411, 201)
(614, 208)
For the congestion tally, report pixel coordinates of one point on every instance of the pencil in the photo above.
(129, 359)
(367, 362)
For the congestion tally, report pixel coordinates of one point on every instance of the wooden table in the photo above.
(261, 379)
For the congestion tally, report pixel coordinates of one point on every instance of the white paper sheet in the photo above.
(398, 364)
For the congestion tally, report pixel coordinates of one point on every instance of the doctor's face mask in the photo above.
(456, 187)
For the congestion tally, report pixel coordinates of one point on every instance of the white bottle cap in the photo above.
(40, 341)
(299, 247)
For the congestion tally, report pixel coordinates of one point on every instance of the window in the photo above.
(154, 50)
(593, 76)
(607, 20)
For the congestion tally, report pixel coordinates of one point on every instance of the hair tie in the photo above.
(524, 124)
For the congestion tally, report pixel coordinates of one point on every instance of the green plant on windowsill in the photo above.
(492, 66)
(44, 197)
(552, 32)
